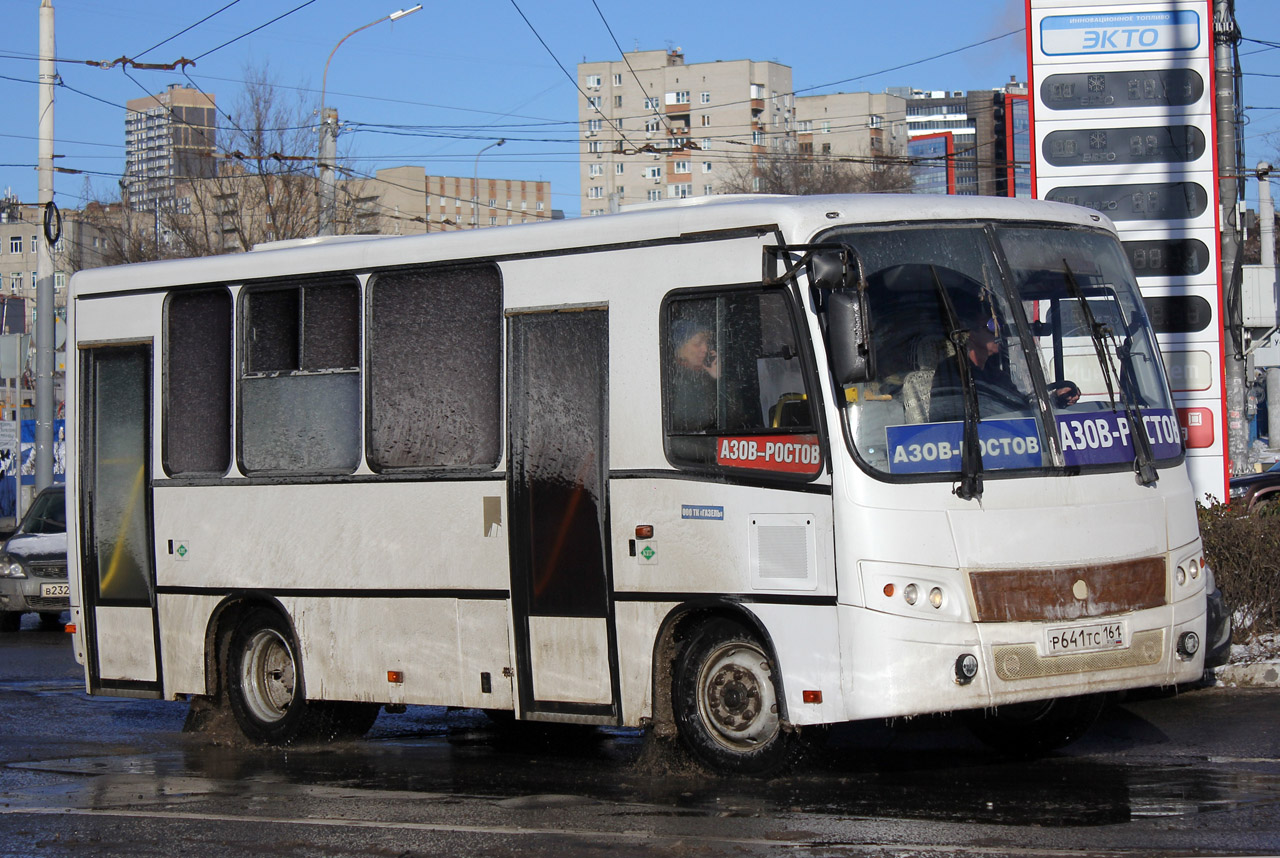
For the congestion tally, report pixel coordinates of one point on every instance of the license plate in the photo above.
(1065, 640)
(53, 590)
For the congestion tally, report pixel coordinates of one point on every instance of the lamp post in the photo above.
(329, 131)
(475, 184)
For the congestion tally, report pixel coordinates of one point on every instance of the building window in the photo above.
(593, 101)
(15, 244)
(15, 283)
(594, 146)
(804, 126)
(654, 172)
(35, 241)
(826, 126)
(197, 383)
(678, 97)
(651, 103)
(706, 166)
(706, 98)
(757, 137)
(300, 378)
(595, 169)
(539, 205)
(617, 80)
(59, 280)
(617, 101)
(593, 81)
(595, 192)
(652, 124)
(875, 121)
(594, 124)
(706, 120)
(435, 401)
(493, 220)
(757, 90)
(680, 191)
(619, 169)
(682, 167)
(654, 196)
(706, 190)
(706, 144)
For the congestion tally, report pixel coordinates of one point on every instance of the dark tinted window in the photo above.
(435, 368)
(197, 393)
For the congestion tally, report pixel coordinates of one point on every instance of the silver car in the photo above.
(33, 564)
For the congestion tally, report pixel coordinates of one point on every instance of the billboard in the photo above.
(1123, 123)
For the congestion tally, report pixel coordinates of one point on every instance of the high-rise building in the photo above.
(654, 128)
(953, 139)
(859, 128)
(169, 138)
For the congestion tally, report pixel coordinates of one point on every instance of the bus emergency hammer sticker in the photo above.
(792, 454)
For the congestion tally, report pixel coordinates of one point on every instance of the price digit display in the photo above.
(1083, 147)
(1142, 88)
(1178, 314)
(1170, 257)
(1148, 201)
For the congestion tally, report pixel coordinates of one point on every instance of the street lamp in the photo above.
(475, 183)
(329, 131)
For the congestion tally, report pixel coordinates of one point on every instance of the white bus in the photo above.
(735, 469)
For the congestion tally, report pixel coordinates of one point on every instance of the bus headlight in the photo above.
(935, 597)
(911, 593)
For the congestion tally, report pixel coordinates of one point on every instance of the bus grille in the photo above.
(1021, 661)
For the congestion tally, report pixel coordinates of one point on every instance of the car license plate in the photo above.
(53, 590)
(1064, 640)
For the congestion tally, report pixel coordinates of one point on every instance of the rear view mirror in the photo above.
(830, 269)
(847, 326)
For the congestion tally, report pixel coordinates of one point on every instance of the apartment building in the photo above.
(407, 201)
(169, 137)
(852, 127)
(653, 127)
(21, 231)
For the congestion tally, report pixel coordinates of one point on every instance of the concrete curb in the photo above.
(1261, 674)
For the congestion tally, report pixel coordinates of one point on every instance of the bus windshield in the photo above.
(1032, 338)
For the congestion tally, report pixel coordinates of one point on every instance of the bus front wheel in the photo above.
(726, 703)
(1037, 727)
(264, 680)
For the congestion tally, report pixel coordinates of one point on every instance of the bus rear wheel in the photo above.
(264, 681)
(1037, 727)
(726, 703)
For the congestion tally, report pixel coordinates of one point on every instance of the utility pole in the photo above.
(1226, 36)
(44, 258)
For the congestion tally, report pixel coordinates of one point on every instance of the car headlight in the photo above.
(10, 568)
(1237, 492)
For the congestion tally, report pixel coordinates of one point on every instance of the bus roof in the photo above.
(798, 218)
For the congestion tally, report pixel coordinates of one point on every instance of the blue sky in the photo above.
(445, 82)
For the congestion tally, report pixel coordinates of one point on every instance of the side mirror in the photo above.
(830, 269)
(847, 326)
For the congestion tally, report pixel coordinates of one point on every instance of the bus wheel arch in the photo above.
(717, 689)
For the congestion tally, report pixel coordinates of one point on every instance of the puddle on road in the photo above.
(929, 774)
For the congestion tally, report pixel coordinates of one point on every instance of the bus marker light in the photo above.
(69, 628)
(644, 531)
(812, 696)
(911, 592)
(396, 676)
(935, 597)
(888, 589)
(966, 668)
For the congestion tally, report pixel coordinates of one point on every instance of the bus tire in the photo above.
(1037, 727)
(726, 703)
(265, 685)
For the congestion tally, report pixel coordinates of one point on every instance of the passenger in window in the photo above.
(695, 375)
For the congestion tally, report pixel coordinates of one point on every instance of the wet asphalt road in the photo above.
(1193, 773)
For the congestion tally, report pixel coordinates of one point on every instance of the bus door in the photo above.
(118, 566)
(566, 650)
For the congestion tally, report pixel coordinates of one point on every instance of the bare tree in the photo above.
(804, 174)
(263, 188)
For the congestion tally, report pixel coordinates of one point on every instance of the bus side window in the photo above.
(732, 372)
(300, 378)
(197, 383)
(435, 368)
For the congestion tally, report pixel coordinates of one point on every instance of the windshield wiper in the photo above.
(970, 448)
(1144, 460)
